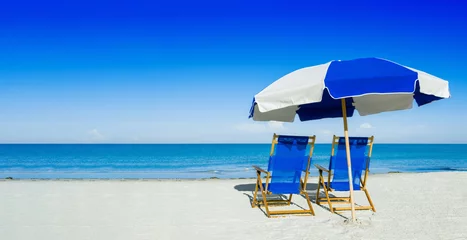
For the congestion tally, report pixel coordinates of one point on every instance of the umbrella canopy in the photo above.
(369, 85)
(337, 88)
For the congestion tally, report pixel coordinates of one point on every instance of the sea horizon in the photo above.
(213, 143)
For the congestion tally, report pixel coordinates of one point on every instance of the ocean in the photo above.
(117, 161)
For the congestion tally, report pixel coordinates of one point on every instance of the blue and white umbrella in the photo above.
(338, 88)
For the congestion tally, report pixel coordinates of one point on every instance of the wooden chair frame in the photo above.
(264, 190)
(340, 200)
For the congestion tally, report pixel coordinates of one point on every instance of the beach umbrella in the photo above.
(338, 88)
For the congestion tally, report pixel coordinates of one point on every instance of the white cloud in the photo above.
(256, 127)
(95, 135)
(366, 126)
(326, 132)
(251, 127)
(276, 125)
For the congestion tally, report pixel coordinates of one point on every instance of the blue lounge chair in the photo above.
(287, 162)
(337, 174)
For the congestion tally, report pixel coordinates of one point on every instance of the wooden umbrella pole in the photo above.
(349, 162)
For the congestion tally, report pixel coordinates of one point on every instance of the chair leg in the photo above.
(309, 203)
(369, 199)
(317, 191)
(265, 202)
(327, 196)
(255, 195)
(290, 199)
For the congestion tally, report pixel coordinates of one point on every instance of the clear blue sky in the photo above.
(186, 71)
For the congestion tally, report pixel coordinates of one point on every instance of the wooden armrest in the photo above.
(260, 169)
(321, 168)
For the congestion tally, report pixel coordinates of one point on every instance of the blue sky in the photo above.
(186, 71)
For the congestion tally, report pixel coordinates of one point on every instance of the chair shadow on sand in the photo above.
(248, 190)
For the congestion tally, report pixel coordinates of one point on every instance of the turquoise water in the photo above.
(200, 160)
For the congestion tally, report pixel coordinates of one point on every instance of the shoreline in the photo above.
(189, 179)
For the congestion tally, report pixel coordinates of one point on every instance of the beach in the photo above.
(409, 206)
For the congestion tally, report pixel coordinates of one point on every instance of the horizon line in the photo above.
(195, 143)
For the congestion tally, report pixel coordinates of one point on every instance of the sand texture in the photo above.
(409, 206)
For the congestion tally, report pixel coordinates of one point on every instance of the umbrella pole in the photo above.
(349, 162)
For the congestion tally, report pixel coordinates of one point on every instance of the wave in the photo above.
(436, 169)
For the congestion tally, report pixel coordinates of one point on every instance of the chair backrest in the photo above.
(287, 161)
(360, 161)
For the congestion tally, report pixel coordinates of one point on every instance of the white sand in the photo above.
(409, 206)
